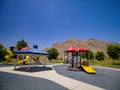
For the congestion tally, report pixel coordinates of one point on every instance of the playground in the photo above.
(76, 60)
(76, 75)
(31, 56)
(27, 57)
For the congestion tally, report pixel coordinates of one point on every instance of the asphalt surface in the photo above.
(104, 78)
(10, 81)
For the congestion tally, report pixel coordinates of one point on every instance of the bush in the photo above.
(90, 55)
(2, 53)
(99, 56)
(53, 54)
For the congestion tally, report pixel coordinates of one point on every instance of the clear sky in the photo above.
(44, 22)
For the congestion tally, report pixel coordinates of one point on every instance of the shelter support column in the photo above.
(72, 60)
(16, 62)
(44, 63)
(23, 61)
(76, 57)
(80, 60)
(29, 62)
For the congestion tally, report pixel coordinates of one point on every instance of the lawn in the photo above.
(106, 63)
(52, 61)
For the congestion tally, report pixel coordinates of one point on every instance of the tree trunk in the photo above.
(50, 60)
(113, 61)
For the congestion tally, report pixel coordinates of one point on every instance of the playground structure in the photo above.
(24, 60)
(27, 56)
(8, 57)
(84, 65)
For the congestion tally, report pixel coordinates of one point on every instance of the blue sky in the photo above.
(45, 22)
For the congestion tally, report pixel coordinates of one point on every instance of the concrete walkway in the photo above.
(69, 83)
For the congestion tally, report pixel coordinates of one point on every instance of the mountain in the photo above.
(91, 44)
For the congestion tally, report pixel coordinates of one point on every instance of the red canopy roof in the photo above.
(25, 48)
(71, 49)
(81, 49)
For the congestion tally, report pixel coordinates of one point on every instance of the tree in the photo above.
(90, 55)
(53, 53)
(2, 52)
(113, 51)
(99, 55)
(21, 44)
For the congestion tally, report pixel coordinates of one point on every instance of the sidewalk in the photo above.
(69, 83)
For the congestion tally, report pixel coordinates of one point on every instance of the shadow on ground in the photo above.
(33, 69)
(10, 81)
(116, 63)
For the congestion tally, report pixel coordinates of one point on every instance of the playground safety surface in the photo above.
(105, 78)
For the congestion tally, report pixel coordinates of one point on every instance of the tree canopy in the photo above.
(99, 55)
(113, 51)
(21, 44)
(2, 52)
(53, 53)
(90, 55)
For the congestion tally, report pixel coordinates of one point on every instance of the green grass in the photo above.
(57, 61)
(53, 61)
(106, 63)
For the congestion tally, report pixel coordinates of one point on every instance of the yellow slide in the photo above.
(20, 61)
(7, 57)
(24, 60)
(88, 69)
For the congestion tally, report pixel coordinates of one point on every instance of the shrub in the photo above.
(99, 55)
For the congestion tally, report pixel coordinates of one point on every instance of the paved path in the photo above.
(66, 82)
(9, 81)
(105, 77)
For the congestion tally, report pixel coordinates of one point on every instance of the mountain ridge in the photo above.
(90, 43)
